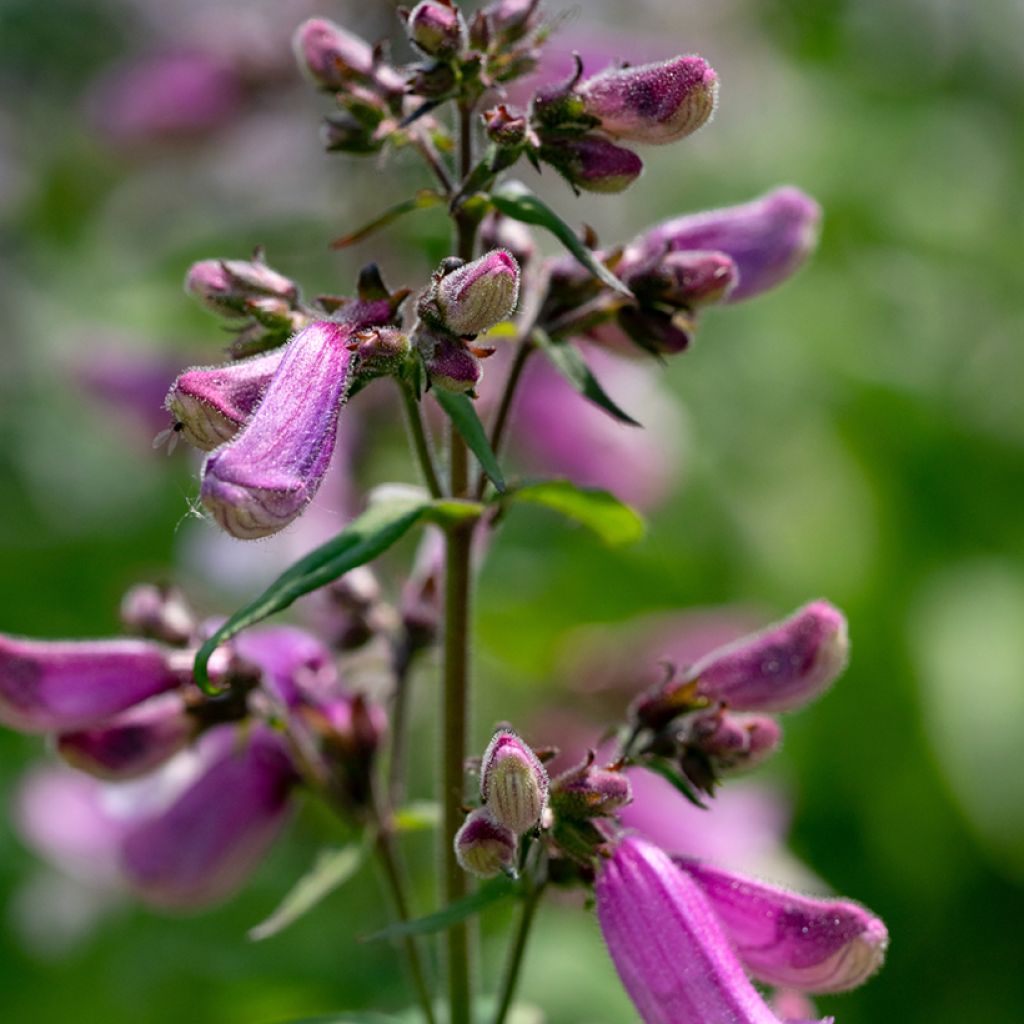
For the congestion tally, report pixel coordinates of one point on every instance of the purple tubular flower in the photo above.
(210, 404)
(132, 743)
(295, 664)
(667, 945)
(50, 686)
(768, 239)
(258, 483)
(329, 55)
(784, 938)
(480, 294)
(593, 164)
(200, 849)
(780, 668)
(652, 103)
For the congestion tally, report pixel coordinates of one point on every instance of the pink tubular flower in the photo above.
(784, 938)
(768, 239)
(210, 404)
(652, 103)
(47, 686)
(259, 482)
(198, 850)
(667, 944)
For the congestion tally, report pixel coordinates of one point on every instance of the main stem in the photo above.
(456, 658)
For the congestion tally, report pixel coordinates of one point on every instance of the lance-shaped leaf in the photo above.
(367, 536)
(615, 522)
(515, 200)
(332, 868)
(567, 360)
(461, 411)
(488, 893)
(422, 200)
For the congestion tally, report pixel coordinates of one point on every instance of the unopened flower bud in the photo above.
(435, 80)
(329, 55)
(229, 286)
(210, 404)
(512, 19)
(657, 330)
(266, 476)
(483, 847)
(592, 163)
(343, 133)
(652, 103)
(158, 612)
(513, 782)
(132, 743)
(686, 279)
(449, 364)
(379, 351)
(479, 294)
(436, 29)
(734, 741)
(50, 686)
(785, 938)
(588, 791)
(349, 609)
(505, 127)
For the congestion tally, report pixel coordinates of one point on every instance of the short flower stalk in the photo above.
(219, 725)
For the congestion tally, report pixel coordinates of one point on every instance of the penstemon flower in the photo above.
(192, 739)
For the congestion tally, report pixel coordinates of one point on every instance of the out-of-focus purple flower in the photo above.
(478, 295)
(558, 432)
(652, 103)
(513, 782)
(592, 163)
(295, 664)
(210, 404)
(259, 482)
(198, 850)
(229, 287)
(667, 945)
(590, 791)
(718, 742)
(792, 1006)
(132, 743)
(787, 939)
(48, 686)
(483, 847)
(165, 97)
(768, 239)
(159, 613)
(512, 18)
(686, 278)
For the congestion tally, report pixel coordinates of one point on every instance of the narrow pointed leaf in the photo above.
(488, 893)
(351, 1018)
(671, 775)
(461, 411)
(422, 200)
(615, 522)
(333, 868)
(367, 536)
(568, 361)
(515, 200)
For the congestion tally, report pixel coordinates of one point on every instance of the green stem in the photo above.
(516, 951)
(418, 434)
(388, 858)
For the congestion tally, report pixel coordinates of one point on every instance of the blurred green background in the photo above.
(857, 434)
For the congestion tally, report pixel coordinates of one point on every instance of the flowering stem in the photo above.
(433, 160)
(418, 435)
(516, 951)
(456, 655)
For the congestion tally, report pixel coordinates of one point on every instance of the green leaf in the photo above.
(332, 868)
(669, 773)
(566, 359)
(419, 816)
(462, 413)
(351, 1018)
(367, 536)
(452, 511)
(615, 522)
(488, 893)
(515, 200)
(422, 200)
